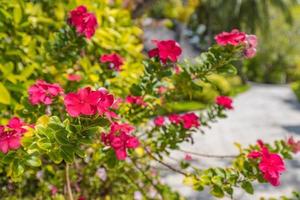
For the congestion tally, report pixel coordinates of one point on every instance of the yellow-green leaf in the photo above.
(4, 95)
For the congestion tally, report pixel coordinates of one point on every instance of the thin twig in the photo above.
(69, 189)
(207, 155)
(165, 164)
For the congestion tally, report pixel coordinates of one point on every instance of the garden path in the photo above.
(266, 112)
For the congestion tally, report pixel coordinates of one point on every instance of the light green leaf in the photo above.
(4, 95)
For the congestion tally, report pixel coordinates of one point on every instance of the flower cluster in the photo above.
(235, 37)
(166, 50)
(84, 22)
(43, 93)
(188, 120)
(115, 61)
(89, 102)
(225, 102)
(11, 134)
(137, 100)
(295, 145)
(120, 140)
(271, 164)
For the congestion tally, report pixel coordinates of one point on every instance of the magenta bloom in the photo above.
(74, 77)
(11, 134)
(114, 59)
(188, 157)
(120, 140)
(105, 102)
(235, 37)
(174, 118)
(43, 93)
(137, 100)
(166, 50)
(190, 120)
(225, 102)
(271, 165)
(84, 22)
(83, 102)
(295, 145)
(159, 121)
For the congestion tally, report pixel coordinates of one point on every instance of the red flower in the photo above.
(43, 93)
(188, 157)
(74, 77)
(83, 102)
(271, 164)
(174, 118)
(295, 145)
(235, 37)
(190, 120)
(11, 134)
(115, 60)
(159, 121)
(166, 50)
(105, 102)
(224, 101)
(84, 22)
(120, 140)
(138, 100)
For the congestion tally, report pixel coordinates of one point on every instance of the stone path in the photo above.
(264, 112)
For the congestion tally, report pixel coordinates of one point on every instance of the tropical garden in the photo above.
(96, 95)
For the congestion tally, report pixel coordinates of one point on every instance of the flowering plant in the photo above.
(78, 139)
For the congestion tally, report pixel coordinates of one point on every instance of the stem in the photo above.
(207, 155)
(69, 189)
(165, 164)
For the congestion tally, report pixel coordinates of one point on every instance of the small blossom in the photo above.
(161, 90)
(166, 50)
(114, 59)
(74, 77)
(271, 165)
(138, 195)
(159, 121)
(188, 157)
(54, 190)
(101, 173)
(190, 120)
(120, 140)
(138, 100)
(295, 145)
(224, 101)
(81, 198)
(235, 37)
(250, 46)
(84, 22)
(43, 93)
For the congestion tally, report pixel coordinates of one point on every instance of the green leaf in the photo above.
(217, 192)
(67, 153)
(247, 186)
(34, 161)
(227, 69)
(61, 137)
(55, 156)
(17, 13)
(4, 95)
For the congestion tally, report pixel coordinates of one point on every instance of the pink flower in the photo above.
(174, 118)
(271, 165)
(84, 22)
(159, 121)
(190, 120)
(295, 145)
(120, 140)
(166, 50)
(251, 44)
(74, 77)
(11, 134)
(101, 173)
(161, 90)
(188, 157)
(115, 60)
(224, 101)
(105, 102)
(138, 100)
(235, 37)
(83, 102)
(54, 190)
(43, 93)
(81, 198)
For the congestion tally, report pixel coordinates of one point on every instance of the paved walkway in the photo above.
(264, 112)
